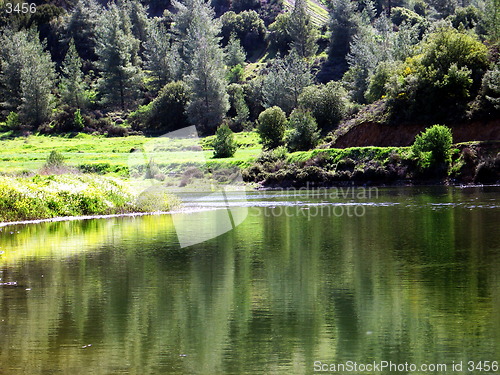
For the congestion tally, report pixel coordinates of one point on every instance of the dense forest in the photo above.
(150, 67)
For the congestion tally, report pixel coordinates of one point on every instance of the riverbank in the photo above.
(54, 196)
(471, 163)
(100, 174)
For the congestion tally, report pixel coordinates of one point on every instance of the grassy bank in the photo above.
(471, 162)
(112, 156)
(42, 197)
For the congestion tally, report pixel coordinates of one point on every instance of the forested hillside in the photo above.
(131, 67)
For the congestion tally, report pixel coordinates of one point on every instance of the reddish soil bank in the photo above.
(375, 134)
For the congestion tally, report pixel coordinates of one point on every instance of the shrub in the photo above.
(377, 86)
(304, 133)
(238, 110)
(271, 127)
(55, 160)
(12, 122)
(433, 146)
(224, 143)
(78, 121)
(327, 103)
(166, 113)
(439, 81)
(235, 74)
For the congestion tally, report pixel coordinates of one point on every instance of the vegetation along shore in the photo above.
(304, 93)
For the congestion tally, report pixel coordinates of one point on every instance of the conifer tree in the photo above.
(12, 57)
(118, 59)
(285, 81)
(302, 31)
(235, 53)
(190, 15)
(72, 83)
(204, 57)
(344, 24)
(37, 80)
(161, 56)
(83, 27)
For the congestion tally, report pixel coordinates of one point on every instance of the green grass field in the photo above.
(28, 154)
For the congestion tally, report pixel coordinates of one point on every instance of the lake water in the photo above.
(303, 284)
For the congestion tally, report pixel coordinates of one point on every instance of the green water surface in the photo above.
(408, 275)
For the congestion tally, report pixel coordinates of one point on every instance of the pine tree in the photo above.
(302, 31)
(72, 83)
(161, 57)
(12, 58)
(285, 81)
(187, 16)
(140, 23)
(83, 27)
(209, 99)
(118, 59)
(235, 53)
(344, 24)
(37, 81)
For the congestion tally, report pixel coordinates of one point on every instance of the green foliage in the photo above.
(55, 160)
(401, 15)
(224, 143)
(28, 76)
(248, 27)
(304, 133)
(239, 109)
(166, 113)
(366, 52)
(118, 59)
(78, 120)
(378, 81)
(271, 127)
(433, 146)
(344, 24)
(302, 31)
(492, 20)
(156, 199)
(12, 122)
(443, 77)
(83, 27)
(235, 74)
(161, 58)
(466, 18)
(65, 195)
(488, 100)
(279, 36)
(234, 53)
(327, 103)
(204, 58)
(72, 83)
(285, 81)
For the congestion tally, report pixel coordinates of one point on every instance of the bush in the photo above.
(304, 133)
(12, 122)
(327, 103)
(433, 146)
(55, 160)
(78, 121)
(271, 127)
(156, 199)
(377, 86)
(438, 82)
(224, 144)
(166, 113)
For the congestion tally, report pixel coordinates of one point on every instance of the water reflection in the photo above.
(403, 283)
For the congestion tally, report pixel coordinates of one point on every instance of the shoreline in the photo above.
(110, 216)
(194, 209)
